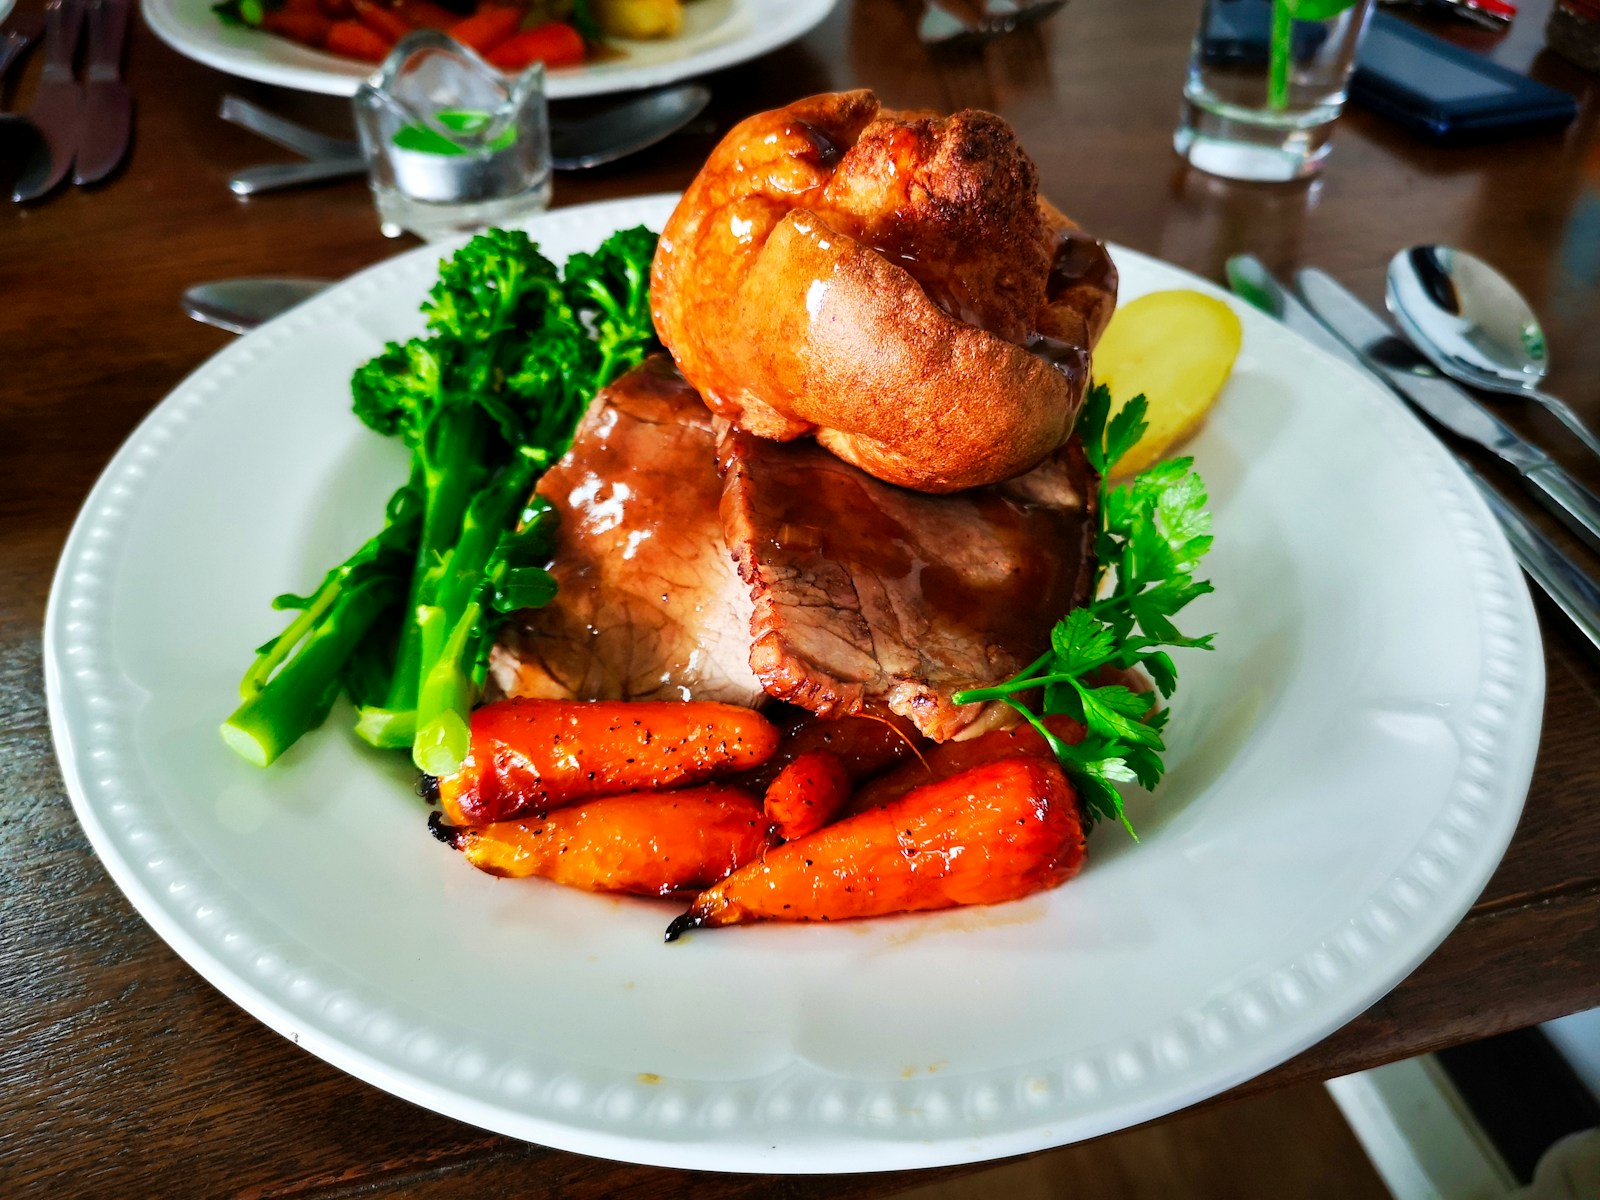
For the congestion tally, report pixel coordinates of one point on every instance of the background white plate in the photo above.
(716, 34)
(1345, 772)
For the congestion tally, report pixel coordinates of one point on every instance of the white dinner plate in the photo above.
(716, 34)
(1345, 771)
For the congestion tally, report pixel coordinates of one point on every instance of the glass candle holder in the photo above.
(451, 144)
(1267, 80)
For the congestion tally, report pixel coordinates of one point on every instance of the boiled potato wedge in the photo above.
(639, 19)
(1176, 348)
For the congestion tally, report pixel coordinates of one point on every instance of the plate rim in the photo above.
(856, 1151)
(792, 21)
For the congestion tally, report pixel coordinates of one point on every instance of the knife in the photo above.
(1562, 580)
(107, 102)
(57, 111)
(1384, 352)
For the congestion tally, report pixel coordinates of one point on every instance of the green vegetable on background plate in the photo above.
(486, 400)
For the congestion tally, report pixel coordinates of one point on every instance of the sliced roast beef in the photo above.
(649, 606)
(868, 595)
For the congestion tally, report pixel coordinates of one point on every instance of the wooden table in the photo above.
(125, 1074)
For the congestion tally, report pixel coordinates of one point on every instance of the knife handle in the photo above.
(108, 27)
(272, 176)
(1569, 500)
(1573, 591)
(63, 24)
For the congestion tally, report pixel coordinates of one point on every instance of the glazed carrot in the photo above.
(865, 745)
(951, 758)
(533, 755)
(807, 794)
(354, 40)
(486, 28)
(307, 28)
(336, 10)
(381, 19)
(646, 843)
(553, 43)
(424, 14)
(996, 832)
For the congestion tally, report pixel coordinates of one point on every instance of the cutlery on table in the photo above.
(239, 305)
(952, 23)
(107, 102)
(1560, 578)
(20, 30)
(57, 109)
(1382, 349)
(1475, 326)
(575, 143)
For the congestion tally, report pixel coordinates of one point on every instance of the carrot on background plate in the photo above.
(643, 843)
(355, 40)
(307, 28)
(486, 28)
(533, 755)
(381, 19)
(807, 794)
(553, 43)
(424, 14)
(996, 832)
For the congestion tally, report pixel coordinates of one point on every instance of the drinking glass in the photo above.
(1267, 80)
(451, 144)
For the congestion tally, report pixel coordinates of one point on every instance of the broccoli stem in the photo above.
(453, 631)
(296, 700)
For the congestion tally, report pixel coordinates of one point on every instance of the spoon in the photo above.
(1475, 326)
(576, 144)
(239, 305)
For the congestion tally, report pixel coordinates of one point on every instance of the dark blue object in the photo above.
(1445, 93)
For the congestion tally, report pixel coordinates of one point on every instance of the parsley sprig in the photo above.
(1153, 532)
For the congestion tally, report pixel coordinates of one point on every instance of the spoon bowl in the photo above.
(1475, 326)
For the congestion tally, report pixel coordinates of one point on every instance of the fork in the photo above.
(950, 23)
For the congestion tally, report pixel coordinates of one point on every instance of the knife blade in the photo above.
(1384, 352)
(57, 110)
(1561, 579)
(107, 102)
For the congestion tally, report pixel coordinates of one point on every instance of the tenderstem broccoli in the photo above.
(485, 400)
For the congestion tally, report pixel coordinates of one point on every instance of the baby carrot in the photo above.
(644, 843)
(533, 755)
(807, 794)
(993, 833)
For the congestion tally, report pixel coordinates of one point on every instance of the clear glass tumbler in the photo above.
(1267, 80)
(452, 145)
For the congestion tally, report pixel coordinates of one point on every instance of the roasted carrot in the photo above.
(533, 755)
(381, 19)
(996, 832)
(486, 28)
(646, 843)
(355, 40)
(298, 25)
(807, 794)
(865, 745)
(424, 14)
(553, 43)
(952, 758)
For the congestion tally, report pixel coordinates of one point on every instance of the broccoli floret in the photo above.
(610, 291)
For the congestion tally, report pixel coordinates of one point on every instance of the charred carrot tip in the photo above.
(428, 788)
(448, 834)
(682, 925)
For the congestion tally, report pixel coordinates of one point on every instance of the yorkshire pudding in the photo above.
(890, 283)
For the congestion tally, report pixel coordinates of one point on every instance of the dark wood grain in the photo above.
(127, 1075)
